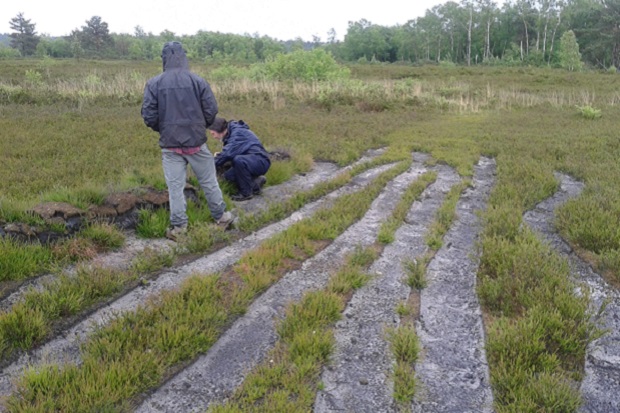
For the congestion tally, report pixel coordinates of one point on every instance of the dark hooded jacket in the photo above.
(240, 140)
(178, 103)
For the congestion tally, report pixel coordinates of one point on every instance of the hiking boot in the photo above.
(259, 181)
(225, 220)
(173, 233)
(241, 197)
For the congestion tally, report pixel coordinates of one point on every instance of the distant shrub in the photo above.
(33, 77)
(447, 63)
(228, 72)
(304, 66)
(8, 53)
(589, 112)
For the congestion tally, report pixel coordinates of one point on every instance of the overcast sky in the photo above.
(280, 19)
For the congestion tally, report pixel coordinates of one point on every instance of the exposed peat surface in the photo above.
(358, 378)
(64, 348)
(600, 387)
(214, 376)
(452, 374)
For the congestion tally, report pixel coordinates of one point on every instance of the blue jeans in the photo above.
(175, 172)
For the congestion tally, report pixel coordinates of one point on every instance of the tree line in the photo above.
(468, 32)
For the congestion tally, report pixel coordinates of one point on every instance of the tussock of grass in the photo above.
(151, 260)
(588, 112)
(16, 211)
(81, 198)
(21, 261)
(153, 224)
(405, 347)
(74, 250)
(105, 236)
(444, 217)
(202, 236)
(415, 271)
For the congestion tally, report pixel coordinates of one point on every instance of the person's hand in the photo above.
(215, 154)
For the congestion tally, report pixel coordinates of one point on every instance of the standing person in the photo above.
(180, 105)
(242, 148)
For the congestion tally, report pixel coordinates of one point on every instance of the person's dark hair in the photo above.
(219, 125)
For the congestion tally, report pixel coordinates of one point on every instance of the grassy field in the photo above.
(72, 132)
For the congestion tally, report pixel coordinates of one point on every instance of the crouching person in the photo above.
(248, 158)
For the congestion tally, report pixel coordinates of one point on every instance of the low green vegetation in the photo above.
(416, 271)
(32, 319)
(80, 125)
(538, 328)
(588, 112)
(444, 217)
(69, 295)
(20, 260)
(405, 347)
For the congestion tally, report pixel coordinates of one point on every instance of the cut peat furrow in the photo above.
(452, 373)
(65, 349)
(214, 376)
(358, 378)
(600, 387)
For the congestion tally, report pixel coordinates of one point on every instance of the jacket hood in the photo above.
(237, 124)
(234, 124)
(173, 56)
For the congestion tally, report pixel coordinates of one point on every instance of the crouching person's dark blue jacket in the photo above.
(240, 140)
